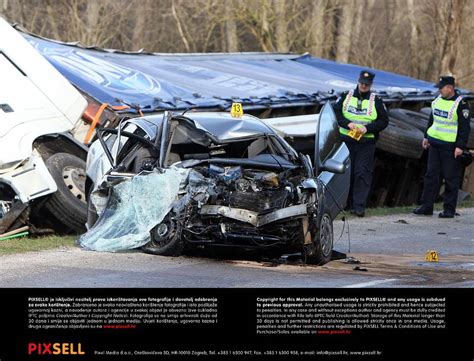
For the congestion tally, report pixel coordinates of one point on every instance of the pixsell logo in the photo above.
(36, 348)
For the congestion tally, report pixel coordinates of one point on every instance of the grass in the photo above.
(29, 244)
(385, 211)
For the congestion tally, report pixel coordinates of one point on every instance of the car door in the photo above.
(332, 161)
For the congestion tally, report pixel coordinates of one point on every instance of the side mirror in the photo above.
(333, 166)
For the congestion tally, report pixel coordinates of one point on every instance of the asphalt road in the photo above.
(390, 249)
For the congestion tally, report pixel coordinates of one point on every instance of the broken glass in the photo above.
(135, 206)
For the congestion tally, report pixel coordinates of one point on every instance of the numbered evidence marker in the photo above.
(432, 256)
(236, 111)
(355, 134)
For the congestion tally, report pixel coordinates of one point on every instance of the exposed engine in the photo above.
(257, 191)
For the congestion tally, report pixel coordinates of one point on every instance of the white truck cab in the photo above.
(41, 164)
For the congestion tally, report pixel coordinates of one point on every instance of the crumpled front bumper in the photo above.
(254, 218)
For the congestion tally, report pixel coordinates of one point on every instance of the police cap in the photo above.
(445, 80)
(366, 77)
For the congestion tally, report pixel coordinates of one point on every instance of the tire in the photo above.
(320, 251)
(426, 111)
(415, 119)
(401, 139)
(166, 238)
(68, 203)
(470, 140)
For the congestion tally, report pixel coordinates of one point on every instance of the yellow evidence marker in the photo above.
(237, 110)
(432, 256)
(355, 134)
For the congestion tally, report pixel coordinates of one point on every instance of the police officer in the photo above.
(362, 109)
(446, 136)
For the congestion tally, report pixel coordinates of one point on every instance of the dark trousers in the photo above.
(441, 161)
(362, 163)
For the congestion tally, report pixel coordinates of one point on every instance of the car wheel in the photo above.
(320, 251)
(166, 238)
(401, 139)
(68, 203)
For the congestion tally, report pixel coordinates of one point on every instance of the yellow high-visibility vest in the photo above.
(445, 119)
(364, 115)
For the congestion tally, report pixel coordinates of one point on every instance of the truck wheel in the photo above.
(426, 111)
(320, 251)
(401, 139)
(415, 119)
(165, 238)
(470, 140)
(68, 203)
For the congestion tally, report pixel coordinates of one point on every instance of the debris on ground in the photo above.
(402, 221)
(351, 260)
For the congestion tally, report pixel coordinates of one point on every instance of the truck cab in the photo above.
(41, 164)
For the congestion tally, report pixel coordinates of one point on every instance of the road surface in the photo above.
(391, 251)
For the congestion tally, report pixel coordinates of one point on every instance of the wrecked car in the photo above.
(42, 166)
(205, 179)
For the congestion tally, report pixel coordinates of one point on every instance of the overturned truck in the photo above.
(268, 85)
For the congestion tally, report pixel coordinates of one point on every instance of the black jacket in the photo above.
(375, 127)
(464, 126)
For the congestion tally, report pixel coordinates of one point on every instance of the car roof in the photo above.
(223, 126)
(219, 124)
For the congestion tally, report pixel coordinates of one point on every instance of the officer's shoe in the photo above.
(358, 212)
(445, 214)
(424, 211)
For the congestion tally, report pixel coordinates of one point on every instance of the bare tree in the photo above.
(93, 11)
(142, 21)
(453, 36)
(464, 64)
(52, 20)
(331, 29)
(265, 32)
(232, 40)
(343, 39)
(281, 26)
(3, 6)
(256, 18)
(360, 14)
(318, 15)
(414, 37)
(179, 26)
